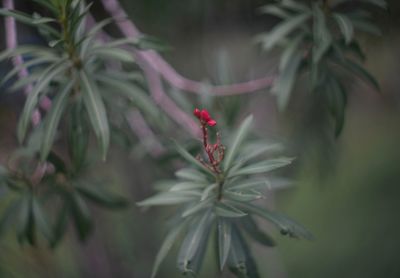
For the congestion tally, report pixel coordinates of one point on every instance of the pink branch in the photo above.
(145, 134)
(11, 43)
(158, 64)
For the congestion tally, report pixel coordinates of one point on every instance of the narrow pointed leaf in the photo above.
(237, 141)
(97, 113)
(53, 118)
(224, 241)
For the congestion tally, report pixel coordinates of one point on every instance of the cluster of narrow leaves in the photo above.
(223, 202)
(75, 71)
(317, 39)
(86, 81)
(39, 200)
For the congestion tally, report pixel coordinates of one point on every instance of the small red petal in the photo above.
(211, 122)
(205, 116)
(197, 113)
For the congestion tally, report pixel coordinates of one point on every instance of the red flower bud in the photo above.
(211, 122)
(205, 116)
(197, 113)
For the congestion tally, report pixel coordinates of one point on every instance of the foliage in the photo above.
(85, 79)
(317, 39)
(220, 199)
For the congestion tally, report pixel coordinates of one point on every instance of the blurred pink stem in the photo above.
(158, 64)
(11, 43)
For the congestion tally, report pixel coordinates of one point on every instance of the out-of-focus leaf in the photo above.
(147, 42)
(239, 136)
(283, 29)
(294, 5)
(248, 184)
(188, 185)
(243, 196)
(112, 54)
(197, 207)
(60, 226)
(223, 209)
(192, 249)
(48, 74)
(27, 19)
(96, 111)
(224, 241)
(286, 80)
(191, 174)
(250, 226)
(275, 11)
(360, 72)
(168, 242)
(286, 225)
(170, 198)
(53, 118)
(101, 196)
(345, 26)
(207, 191)
(40, 220)
(81, 216)
(263, 166)
(25, 225)
(186, 155)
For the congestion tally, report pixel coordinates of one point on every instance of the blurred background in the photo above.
(346, 190)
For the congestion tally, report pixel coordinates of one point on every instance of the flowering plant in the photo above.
(220, 191)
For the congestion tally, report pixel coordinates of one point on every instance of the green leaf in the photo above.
(191, 249)
(291, 51)
(283, 29)
(133, 93)
(112, 54)
(48, 74)
(345, 26)
(53, 118)
(239, 137)
(284, 84)
(60, 226)
(275, 11)
(243, 196)
(170, 198)
(237, 258)
(361, 72)
(27, 19)
(263, 166)
(191, 174)
(250, 226)
(224, 241)
(97, 113)
(294, 5)
(33, 62)
(208, 190)
(248, 184)
(197, 207)
(286, 225)
(186, 155)
(41, 221)
(166, 246)
(81, 216)
(187, 186)
(322, 38)
(25, 222)
(101, 196)
(223, 209)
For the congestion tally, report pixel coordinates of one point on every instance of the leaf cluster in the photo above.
(223, 202)
(318, 40)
